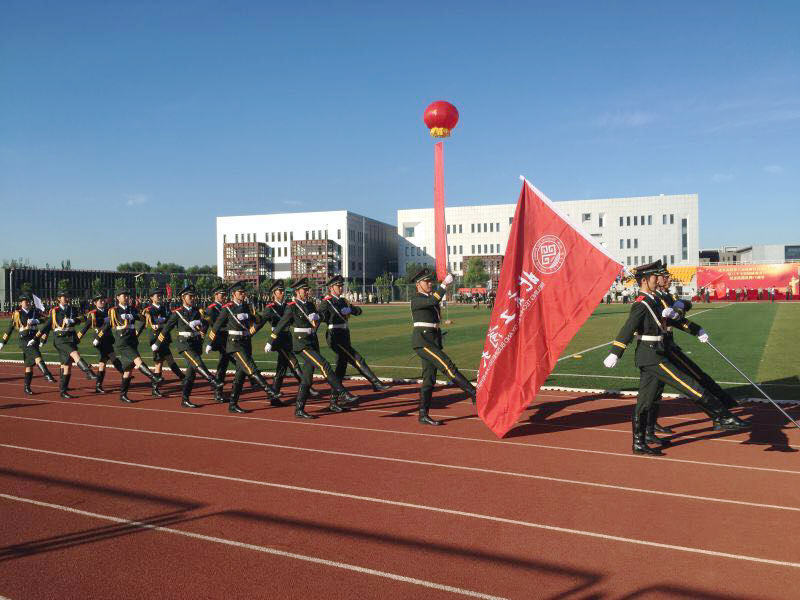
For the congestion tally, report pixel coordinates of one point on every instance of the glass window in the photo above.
(628, 242)
(636, 260)
(497, 227)
(635, 242)
(291, 235)
(460, 229)
(338, 234)
(650, 258)
(621, 243)
(629, 261)
(461, 249)
(672, 219)
(485, 228)
(642, 221)
(224, 238)
(684, 239)
(408, 232)
(634, 220)
(491, 227)
(510, 220)
(649, 219)
(672, 259)
(600, 218)
(663, 219)
(621, 221)
(485, 251)
(628, 221)
(586, 217)
(319, 234)
(472, 227)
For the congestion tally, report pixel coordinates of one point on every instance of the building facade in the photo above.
(366, 248)
(245, 261)
(635, 230)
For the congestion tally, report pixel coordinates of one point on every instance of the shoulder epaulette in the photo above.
(93, 311)
(210, 306)
(639, 299)
(228, 305)
(176, 309)
(292, 303)
(270, 305)
(327, 297)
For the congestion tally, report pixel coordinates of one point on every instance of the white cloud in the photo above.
(635, 118)
(773, 169)
(136, 199)
(721, 177)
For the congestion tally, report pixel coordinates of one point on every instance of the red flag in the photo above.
(440, 233)
(169, 291)
(553, 277)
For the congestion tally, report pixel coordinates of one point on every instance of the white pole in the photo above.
(363, 255)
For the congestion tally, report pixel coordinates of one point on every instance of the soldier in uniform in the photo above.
(273, 312)
(240, 323)
(61, 321)
(155, 316)
(97, 319)
(25, 319)
(211, 314)
(188, 321)
(302, 315)
(336, 311)
(426, 340)
(121, 319)
(648, 319)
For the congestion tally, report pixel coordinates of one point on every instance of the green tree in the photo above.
(169, 268)
(119, 284)
(411, 270)
(204, 269)
(475, 275)
(175, 283)
(63, 284)
(383, 283)
(97, 286)
(134, 267)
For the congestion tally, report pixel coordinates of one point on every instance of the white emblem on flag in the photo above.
(548, 254)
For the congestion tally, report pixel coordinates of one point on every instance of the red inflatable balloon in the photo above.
(440, 117)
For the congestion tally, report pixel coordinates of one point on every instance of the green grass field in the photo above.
(759, 338)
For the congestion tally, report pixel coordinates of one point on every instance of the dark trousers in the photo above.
(652, 379)
(312, 360)
(285, 362)
(434, 359)
(346, 354)
(195, 364)
(222, 366)
(677, 356)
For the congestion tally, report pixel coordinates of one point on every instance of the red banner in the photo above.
(475, 290)
(440, 233)
(722, 278)
(553, 277)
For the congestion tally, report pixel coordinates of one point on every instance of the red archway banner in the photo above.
(721, 278)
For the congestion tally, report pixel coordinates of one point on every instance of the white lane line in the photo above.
(304, 423)
(257, 548)
(423, 507)
(415, 462)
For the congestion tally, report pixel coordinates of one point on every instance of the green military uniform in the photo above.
(61, 321)
(97, 319)
(336, 312)
(211, 314)
(304, 320)
(155, 316)
(273, 312)
(187, 321)
(239, 323)
(25, 322)
(121, 322)
(655, 366)
(426, 340)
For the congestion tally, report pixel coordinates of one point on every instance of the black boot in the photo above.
(727, 421)
(650, 431)
(377, 384)
(117, 364)
(661, 429)
(123, 390)
(639, 444)
(311, 391)
(219, 397)
(83, 366)
(212, 381)
(27, 385)
(154, 391)
(334, 406)
(98, 386)
(45, 371)
(425, 404)
(177, 370)
(466, 386)
(236, 390)
(300, 404)
(149, 374)
(345, 398)
(64, 385)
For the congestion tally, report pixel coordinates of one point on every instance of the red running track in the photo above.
(100, 499)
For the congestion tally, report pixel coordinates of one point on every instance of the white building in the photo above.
(634, 230)
(368, 247)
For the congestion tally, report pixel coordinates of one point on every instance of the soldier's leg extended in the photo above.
(157, 365)
(648, 389)
(236, 390)
(247, 365)
(222, 370)
(29, 361)
(195, 365)
(345, 353)
(306, 377)
(674, 376)
(64, 358)
(82, 365)
(426, 389)
(339, 395)
(689, 366)
(652, 418)
(39, 361)
(188, 385)
(295, 369)
(447, 366)
(101, 371)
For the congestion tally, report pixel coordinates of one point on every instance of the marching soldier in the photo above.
(648, 319)
(156, 315)
(240, 323)
(62, 320)
(97, 319)
(188, 322)
(121, 319)
(212, 312)
(426, 340)
(283, 344)
(25, 319)
(336, 311)
(302, 315)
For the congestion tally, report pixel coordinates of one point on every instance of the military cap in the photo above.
(157, 290)
(278, 284)
(220, 288)
(97, 296)
(189, 289)
(25, 296)
(653, 268)
(62, 292)
(122, 291)
(239, 285)
(336, 279)
(301, 283)
(421, 275)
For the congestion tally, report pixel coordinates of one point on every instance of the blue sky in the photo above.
(126, 127)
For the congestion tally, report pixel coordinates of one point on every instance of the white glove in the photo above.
(96, 342)
(154, 347)
(195, 324)
(32, 342)
(669, 313)
(679, 305)
(448, 279)
(69, 321)
(346, 310)
(313, 317)
(33, 321)
(242, 316)
(160, 320)
(1, 345)
(208, 348)
(267, 347)
(702, 336)
(610, 361)
(126, 317)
